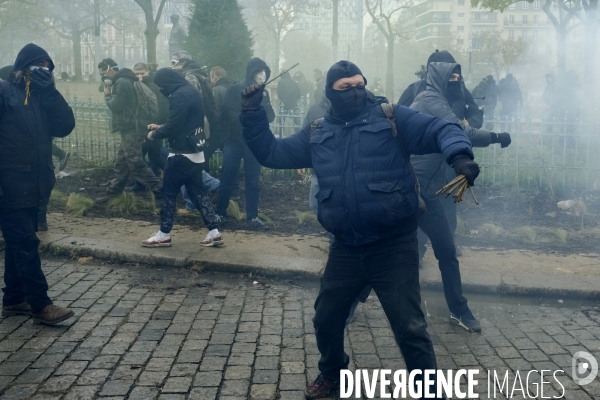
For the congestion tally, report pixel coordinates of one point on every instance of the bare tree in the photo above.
(278, 17)
(384, 14)
(152, 21)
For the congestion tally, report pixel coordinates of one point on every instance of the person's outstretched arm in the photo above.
(292, 152)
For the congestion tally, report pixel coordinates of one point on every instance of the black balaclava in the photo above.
(168, 80)
(454, 92)
(441, 56)
(345, 104)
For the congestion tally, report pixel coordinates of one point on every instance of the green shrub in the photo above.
(561, 235)
(126, 204)
(234, 210)
(306, 216)
(527, 233)
(58, 198)
(493, 230)
(266, 219)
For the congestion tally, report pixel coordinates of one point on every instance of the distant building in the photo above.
(437, 21)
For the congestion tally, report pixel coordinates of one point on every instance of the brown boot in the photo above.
(17, 309)
(53, 314)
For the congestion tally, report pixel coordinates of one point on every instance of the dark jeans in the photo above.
(180, 171)
(233, 153)
(449, 204)
(434, 224)
(391, 267)
(23, 276)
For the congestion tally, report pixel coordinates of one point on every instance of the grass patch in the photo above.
(306, 216)
(266, 219)
(595, 232)
(78, 204)
(58, 198)
(493, 230)
(234, 210)
(126, 204)
(527, 233)
(561, 235)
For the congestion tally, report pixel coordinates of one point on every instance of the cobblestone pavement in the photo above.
(176, 334)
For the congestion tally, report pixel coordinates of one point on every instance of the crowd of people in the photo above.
(375, 170)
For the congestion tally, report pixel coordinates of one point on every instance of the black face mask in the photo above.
(347, 104)
(454, 92)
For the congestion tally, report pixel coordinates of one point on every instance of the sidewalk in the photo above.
(304, 257)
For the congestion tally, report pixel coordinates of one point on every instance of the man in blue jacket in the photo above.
(32, 113)
(368, 200)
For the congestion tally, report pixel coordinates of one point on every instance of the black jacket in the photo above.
(232, 105)
(163, 102)
(219, 91)
(122, 101)
(185, 110)
(430, 168)
(288, 92)
(470, 111)
(26, 132)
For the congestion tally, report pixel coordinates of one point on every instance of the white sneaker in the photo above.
(212, 240)
(159, 239)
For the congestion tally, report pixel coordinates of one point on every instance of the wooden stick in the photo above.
(454, 181)
(456, 186)
(473, 194)
(287, 70)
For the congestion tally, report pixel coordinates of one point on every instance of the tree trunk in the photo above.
(561, 51)
(76, 41)
(151, 34)
(275, 71)
(389, 76)
(589, 66)
(334, 30)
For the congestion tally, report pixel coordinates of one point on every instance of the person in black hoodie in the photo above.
(444, 89)
(121, 99)
(235, 149)
(184, 165)
(32, 112)
(157, 154)
(468, 110)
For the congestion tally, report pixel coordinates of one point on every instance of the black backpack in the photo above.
(146, 111)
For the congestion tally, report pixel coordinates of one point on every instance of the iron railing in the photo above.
(564, 153)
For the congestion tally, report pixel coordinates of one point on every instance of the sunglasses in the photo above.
(174, 62)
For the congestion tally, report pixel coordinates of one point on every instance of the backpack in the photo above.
(146, 111)
(211, 119)
(388, 110)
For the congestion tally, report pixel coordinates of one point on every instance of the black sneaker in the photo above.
(256, 224)
(64, 161)
(467, 321)
(136, 187)
(321, 387)
(101, 201)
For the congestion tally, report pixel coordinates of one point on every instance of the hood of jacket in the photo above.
(31, 54)
(253, 66)
(169, 80)
(438, 75)
(440, 56)
(125, 73)
(191, 67)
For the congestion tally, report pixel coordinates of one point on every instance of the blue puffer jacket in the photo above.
(367, 189)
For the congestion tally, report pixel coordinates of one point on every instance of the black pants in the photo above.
(391, 267)
(434, 224)
(23, 275)
(181, 171)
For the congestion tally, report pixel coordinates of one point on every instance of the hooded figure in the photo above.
(184, 165)
(32, 112)
(510, 94)
(185, 110)
(122, 101)
(234, 148)
(368, 199)
(437, 100)
(288, 92)
(469, 110)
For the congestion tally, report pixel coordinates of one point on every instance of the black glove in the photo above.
(252, 96)
(502, 138)
(42, 80)
(467, 167)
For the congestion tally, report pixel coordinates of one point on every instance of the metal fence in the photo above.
(91, 143)
(563, 153)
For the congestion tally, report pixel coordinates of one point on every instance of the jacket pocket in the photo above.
(390, 203)
(376, 139)
(322, 146)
